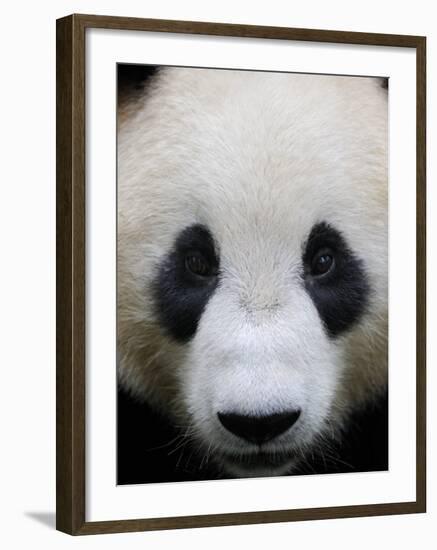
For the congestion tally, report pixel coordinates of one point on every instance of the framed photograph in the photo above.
(240, 274)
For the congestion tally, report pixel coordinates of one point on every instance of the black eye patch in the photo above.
(180, 294)
(341, 293)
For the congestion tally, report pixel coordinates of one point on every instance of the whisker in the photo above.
(164, 445)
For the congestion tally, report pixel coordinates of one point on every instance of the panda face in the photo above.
(252, 259)
(264, 361)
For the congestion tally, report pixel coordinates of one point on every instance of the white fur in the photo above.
(259, 159)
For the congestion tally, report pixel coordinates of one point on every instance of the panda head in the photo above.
(252, 258)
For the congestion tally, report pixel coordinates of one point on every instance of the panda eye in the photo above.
(197, 264)
(323, 262)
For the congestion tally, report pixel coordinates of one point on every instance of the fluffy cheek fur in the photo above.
(267, 363)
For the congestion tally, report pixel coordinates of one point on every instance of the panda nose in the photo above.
(258, 429)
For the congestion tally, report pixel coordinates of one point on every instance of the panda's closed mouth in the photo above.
(261, 459)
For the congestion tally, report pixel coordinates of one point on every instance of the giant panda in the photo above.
(251, 274)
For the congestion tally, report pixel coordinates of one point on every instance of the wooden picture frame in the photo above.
(71, 284)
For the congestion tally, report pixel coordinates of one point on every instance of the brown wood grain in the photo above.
(421, 274)
(70, 276)
(71, 281)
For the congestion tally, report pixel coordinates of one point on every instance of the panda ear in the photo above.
(134, 77)
(384, 83)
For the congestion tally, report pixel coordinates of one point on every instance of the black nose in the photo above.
(258, 429)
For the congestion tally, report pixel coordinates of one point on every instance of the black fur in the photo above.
(341, 295)
(150, 449)
(181, 297)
